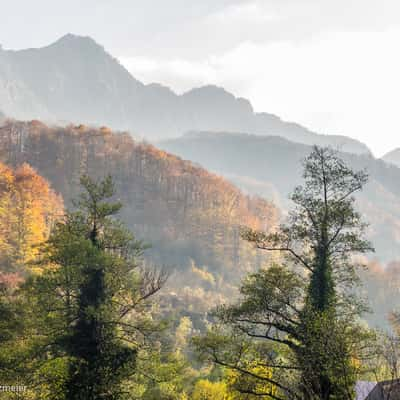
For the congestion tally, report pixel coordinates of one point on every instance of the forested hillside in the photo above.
(190, 217)
(192, 206)
(271, 167)
(86, 316)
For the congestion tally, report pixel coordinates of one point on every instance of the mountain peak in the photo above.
(75, 79)
(71, 37)
(208, 90)
(72, 40)
(393, 157)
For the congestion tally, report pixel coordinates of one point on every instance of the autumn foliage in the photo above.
(183, 210)
(28, 209)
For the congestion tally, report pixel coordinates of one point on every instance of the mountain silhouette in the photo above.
(76, 80)
(393, 157)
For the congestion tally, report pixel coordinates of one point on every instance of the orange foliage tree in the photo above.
(28, 209)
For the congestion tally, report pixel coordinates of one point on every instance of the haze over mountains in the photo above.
(191, 218)
(76, 80)
(271, 167)
(393, 157)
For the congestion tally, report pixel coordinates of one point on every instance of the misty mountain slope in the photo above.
(73, 78)
(393, 157)
(271, 167)
(185, 212)
(76, 80)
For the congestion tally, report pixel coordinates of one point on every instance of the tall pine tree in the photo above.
(91, 300)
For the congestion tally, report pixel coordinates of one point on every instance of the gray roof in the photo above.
(363, 388)
(386, 390)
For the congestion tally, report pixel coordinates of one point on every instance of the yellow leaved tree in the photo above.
(28, 210)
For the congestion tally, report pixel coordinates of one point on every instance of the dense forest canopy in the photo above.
(192, 218)
(105, 316)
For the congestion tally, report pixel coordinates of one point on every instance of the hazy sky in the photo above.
(332, 65)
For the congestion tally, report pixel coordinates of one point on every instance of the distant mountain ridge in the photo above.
(393, 157)
(271, 167)
(76, 80)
